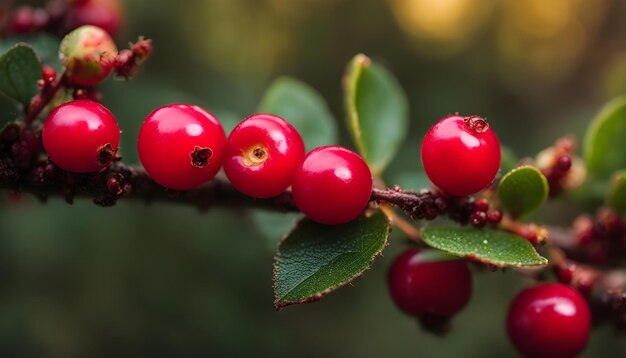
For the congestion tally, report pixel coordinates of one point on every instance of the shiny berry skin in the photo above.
(549, 320)
(105, 14)
(181, 146)
(81, 136)
(332, 186)
(262, 155)
(88, 54)
(461, 155)
(420, 285)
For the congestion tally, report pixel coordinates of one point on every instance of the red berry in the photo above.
(332, 186)
(461, 155)
(106, 14)
(262, 154)
(23, 20)
(494, 217)
(420, 285)
(478, 218)
(81, 136)
(181, 146)
(549, 320)
(26, 19)
(88, 54)
(481, 204)
(49, 74)
(564, 163)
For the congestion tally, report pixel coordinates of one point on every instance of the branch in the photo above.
(121, 181)
(24, 168)
(46, 95)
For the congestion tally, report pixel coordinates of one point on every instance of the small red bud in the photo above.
(142, 49)
(583, 230)
(566, 273)
(88, 54)
(494, 216)
(478, 219)
(49, 74)
(564, 163)
(481, 204)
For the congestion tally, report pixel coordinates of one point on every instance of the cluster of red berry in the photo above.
(61, 16)
(461, 155)
(547, 320)
(183, 146)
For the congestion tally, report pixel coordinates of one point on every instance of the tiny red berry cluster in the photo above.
(600, 240)
(25, 145)
(105, 14)
(557, 164)
(481, 215)
(27, 19)
(60, 17)
(578, 276)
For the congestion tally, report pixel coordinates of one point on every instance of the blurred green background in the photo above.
(167, 281)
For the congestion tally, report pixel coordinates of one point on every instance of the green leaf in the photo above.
(314, 260)
(377, 111)
(604, 144)
(523, 190)
(304, 108)
(617, 195)
(9, 111)
(20, 70)
(45, 45)
(490, 247)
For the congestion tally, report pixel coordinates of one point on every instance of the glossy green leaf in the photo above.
(314, 259)
(617, 195)
(377, 111)
(604, 144)
(20, 70)
(304, 108)
(523, 190)
(491, 247)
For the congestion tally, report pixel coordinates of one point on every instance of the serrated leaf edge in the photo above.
(19, 44)
(499, 264)
(281, 305)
